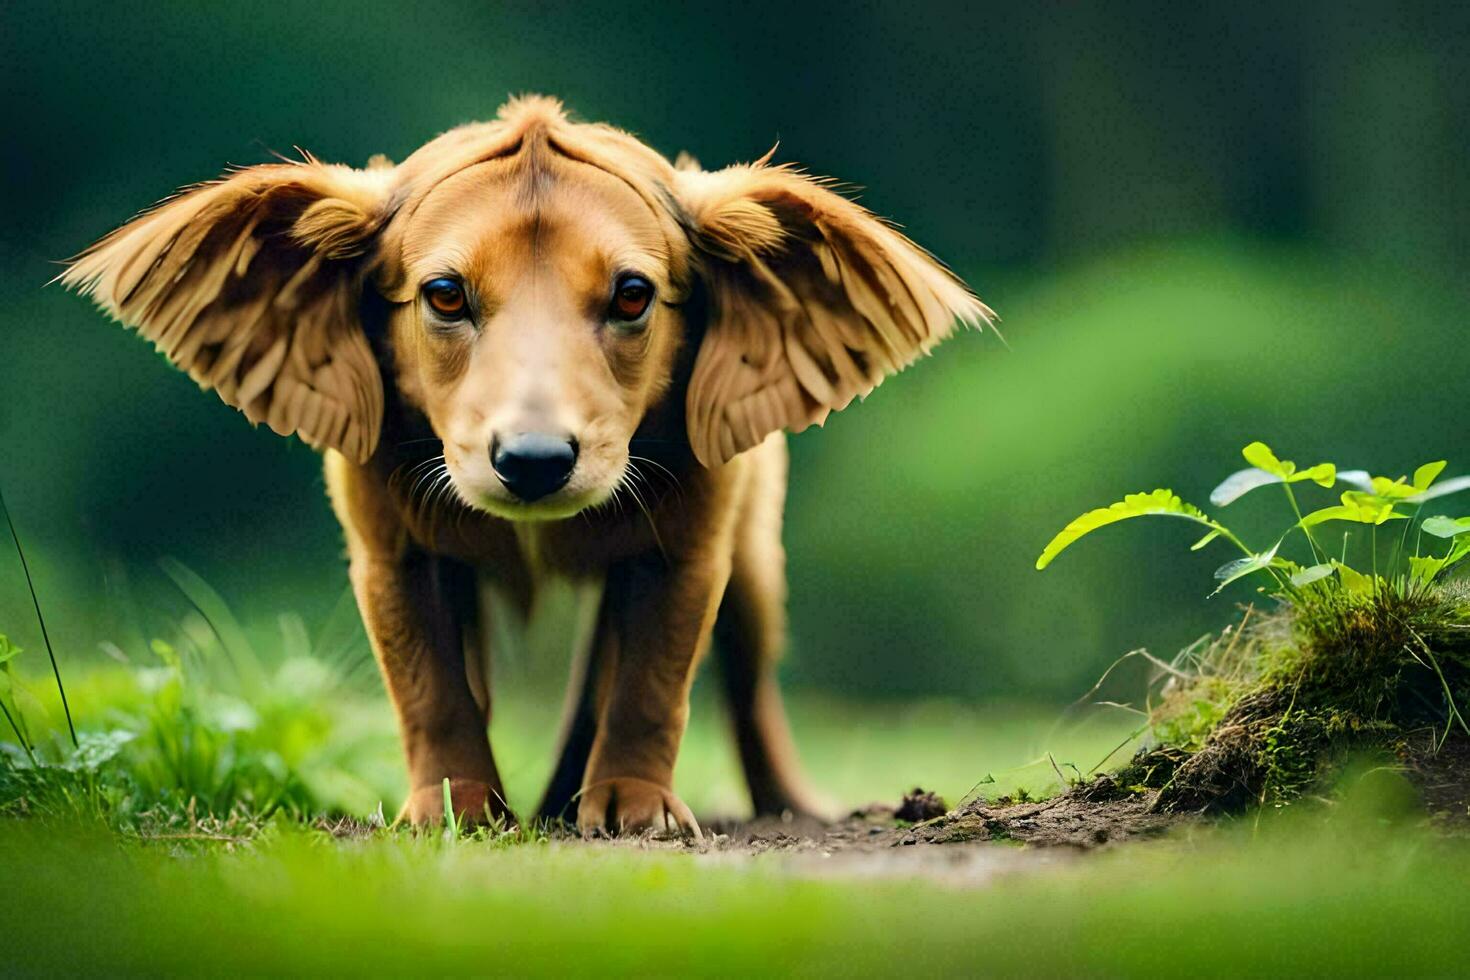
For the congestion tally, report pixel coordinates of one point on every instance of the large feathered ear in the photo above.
(251, 284)
(814, 301)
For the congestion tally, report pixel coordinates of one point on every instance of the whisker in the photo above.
(632, 470)
(614, 501)
(663, 470)
(463, 508)
(399, 474)
(442, 484)
(426, 472)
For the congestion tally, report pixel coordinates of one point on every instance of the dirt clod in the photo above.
(919, 806)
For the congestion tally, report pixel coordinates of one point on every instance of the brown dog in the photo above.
(536, 348)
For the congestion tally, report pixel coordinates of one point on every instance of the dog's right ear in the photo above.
(251, 284)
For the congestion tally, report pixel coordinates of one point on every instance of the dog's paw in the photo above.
(624, 804)
(475, 804)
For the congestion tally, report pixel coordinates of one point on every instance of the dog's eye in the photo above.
(631, 298)
(446, 297)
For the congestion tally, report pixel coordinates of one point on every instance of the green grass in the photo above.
(188, 844)
(1354, 892)
(325, 748)
(1355, 887)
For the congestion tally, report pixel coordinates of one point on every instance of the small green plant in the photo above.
(198, 729)
(1356, 657)
(1373, 502)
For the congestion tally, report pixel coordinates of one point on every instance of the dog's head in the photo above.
(540, 280)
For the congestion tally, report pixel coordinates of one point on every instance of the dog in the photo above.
(538, 349)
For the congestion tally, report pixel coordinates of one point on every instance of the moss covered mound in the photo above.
(1271, 709)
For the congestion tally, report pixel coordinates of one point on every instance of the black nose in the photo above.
(533, 464)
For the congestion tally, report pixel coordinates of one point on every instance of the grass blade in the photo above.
(221, 620)
(35, 601)
(19, 736)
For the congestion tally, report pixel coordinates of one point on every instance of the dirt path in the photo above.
(1080, 819)
(918, 838)
(919, 835)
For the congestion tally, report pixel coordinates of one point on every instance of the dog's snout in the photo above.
(533, 464)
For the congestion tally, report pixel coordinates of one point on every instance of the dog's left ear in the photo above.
(251, 284)
(814, 301)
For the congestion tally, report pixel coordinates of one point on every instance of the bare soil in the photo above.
(967, 847)
(1082, 818)
(1098, 814)
(919, 837)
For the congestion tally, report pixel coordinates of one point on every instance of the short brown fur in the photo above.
(296, 292)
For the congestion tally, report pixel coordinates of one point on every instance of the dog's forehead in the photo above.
(593, 189)
(534, 128)
(493, 219)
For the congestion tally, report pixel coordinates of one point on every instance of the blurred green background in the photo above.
(1200, 227)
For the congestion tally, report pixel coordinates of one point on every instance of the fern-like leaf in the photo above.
(1161, 503)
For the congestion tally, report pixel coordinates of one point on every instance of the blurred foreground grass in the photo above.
(1352, 891)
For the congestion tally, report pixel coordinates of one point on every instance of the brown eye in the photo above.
(446, 297)
(631, 298)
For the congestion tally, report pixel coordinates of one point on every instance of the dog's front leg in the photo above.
(414, 607)
(656, 618)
